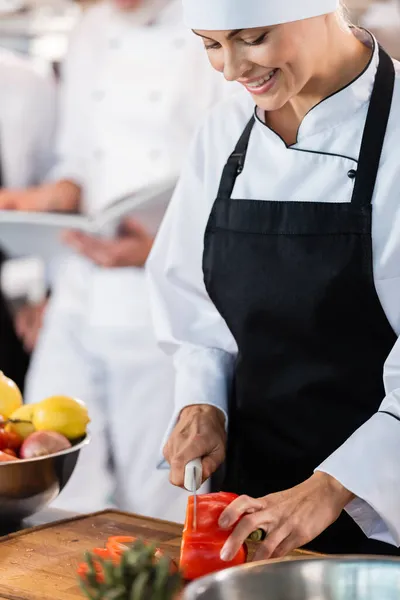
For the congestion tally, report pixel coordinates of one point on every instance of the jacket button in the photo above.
(98, 154)
(155, 96)
(98, 95)
(114, 43)
(155, 154)
(352, 174)
(179, 43)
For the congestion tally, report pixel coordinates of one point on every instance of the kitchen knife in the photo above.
(192, 482)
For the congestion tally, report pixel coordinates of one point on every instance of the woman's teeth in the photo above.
(263, 81)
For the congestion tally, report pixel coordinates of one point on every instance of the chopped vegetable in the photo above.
(139, 575)
(201, 548)
(119, 543)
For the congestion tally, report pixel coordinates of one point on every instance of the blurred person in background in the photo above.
(382, 18)
(135, 85)
(27, 124)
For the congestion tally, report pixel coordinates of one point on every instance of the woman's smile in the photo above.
(262, 85)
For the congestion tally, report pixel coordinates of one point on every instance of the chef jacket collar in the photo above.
(338, 107)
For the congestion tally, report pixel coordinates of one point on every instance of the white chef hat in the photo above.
(216, 15)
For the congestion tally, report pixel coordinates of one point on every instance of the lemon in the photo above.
(25, 414)
(62, 414)
(10, 396)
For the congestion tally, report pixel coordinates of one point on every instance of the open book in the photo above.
(39, 234)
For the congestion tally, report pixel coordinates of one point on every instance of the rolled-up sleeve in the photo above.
(367, 464)
(187, 324)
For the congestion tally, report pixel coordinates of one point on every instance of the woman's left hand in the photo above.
(291, 518)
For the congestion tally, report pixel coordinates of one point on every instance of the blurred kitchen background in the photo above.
(40, 28)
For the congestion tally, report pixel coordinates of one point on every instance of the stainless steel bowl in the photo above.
(28, 486)
(344, 578)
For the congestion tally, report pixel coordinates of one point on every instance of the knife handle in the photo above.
(198, 467)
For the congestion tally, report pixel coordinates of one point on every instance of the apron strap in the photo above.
(235, 163)
(374, 131)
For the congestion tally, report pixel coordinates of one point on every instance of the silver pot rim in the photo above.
(195, 587)
(25, 461)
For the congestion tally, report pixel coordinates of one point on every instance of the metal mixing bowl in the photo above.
(28, 486)
(336, 578)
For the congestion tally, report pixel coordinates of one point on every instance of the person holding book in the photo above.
(27, 126)
(135, 84)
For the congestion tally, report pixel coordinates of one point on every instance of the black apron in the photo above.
(14, 360)
(294, 283)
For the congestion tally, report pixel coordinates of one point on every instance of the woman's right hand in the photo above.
(199, 433)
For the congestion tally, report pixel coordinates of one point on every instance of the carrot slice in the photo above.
(119, 543)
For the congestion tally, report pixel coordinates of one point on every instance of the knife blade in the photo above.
(194, 500)
(193, 480)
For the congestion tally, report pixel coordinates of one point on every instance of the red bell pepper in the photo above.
(200, 549)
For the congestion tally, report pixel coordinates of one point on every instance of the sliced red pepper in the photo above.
(200, 549)
(115, 547)
(83, 568)
(117, 544)
(102, 552)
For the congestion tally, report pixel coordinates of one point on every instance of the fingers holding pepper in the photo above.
(291, 518)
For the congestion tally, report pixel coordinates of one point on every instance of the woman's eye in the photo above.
(256, 42)
(212, 46)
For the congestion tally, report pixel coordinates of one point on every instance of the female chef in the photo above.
(276, 280)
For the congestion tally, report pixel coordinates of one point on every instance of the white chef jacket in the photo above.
(314, 169)
(135, 85)
(27, 121)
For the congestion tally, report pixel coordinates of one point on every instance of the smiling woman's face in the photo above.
(273, 63)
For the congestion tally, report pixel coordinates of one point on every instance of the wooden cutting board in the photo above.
(40, 563)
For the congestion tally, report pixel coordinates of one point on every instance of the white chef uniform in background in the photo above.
(28, 109)
(136, 84)
(27, 127)
(27, 121)
(187, 322)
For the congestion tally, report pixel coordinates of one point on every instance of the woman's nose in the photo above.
(234, 67)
